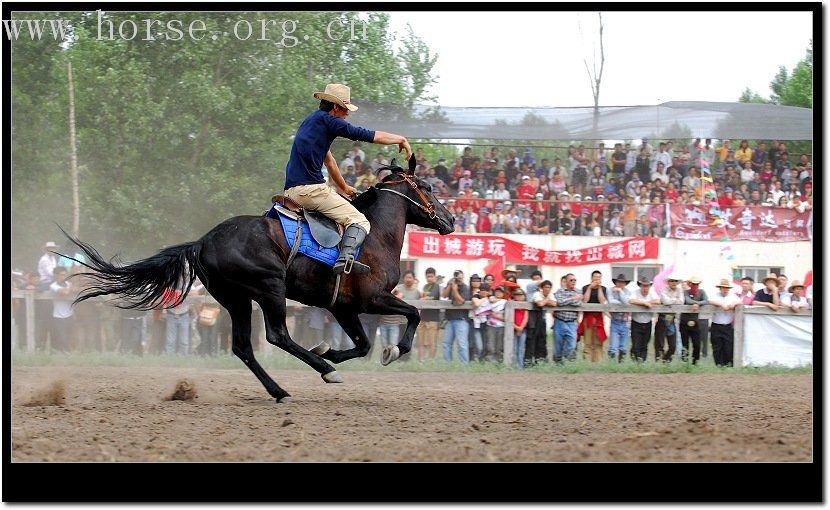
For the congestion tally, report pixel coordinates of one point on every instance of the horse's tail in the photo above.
(144, 284)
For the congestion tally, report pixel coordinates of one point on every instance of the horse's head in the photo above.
(423, 209)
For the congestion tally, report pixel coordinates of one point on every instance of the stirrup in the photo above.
(349, 265)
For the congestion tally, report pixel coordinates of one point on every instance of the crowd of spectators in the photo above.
(619, 191)
(469, 334)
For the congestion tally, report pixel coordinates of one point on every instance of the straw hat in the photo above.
(338, 94)
(695, 280)
(674, 276)
(771, 276)
(794, 284)
(50, 244)
(510, 269)
(724, 282)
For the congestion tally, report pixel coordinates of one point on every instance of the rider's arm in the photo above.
(334, 171)
(384, 138)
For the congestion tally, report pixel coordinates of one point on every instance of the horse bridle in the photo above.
(426, 206)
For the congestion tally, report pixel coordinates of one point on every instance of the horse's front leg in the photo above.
(387, 304)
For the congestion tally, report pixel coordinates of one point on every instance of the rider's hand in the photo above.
(350, 191)
(404, 145)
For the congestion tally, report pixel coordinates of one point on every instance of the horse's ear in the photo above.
(393, 163)
(412, 164)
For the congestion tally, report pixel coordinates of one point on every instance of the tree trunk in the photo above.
(73, 156)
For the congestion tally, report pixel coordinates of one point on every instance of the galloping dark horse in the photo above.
(244, 259)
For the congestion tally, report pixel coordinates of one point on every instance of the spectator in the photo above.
(592, 326)
(722, 330)
(536, 339)
(641, 321)
(494, 347)
(690, 322)
(177, 322)
(390, 325)
(744, 153)
(480, 314)
(768, 296)
(558, 169)
(672, 294)
(642, 167)
(47, 263)
(207, 324)
(748, 174)
(519, 330)
(61, 325)
(564, 324)
(794, 300)
(619, 295)
(746, 295)
(723, 151)
(428, 327)
(782, 286)
(457, 328)
(759, 155)
(663, 157)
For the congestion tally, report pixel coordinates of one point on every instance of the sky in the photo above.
(536, 58)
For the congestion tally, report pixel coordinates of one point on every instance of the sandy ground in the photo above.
(124, 414)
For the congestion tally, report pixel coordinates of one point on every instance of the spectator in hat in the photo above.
(768, 296)
(795, 300)
(641, 322)
(722, 331)
(665, 329)
(48, 262)
(509, 280)
(592, 327)
(564, 324)
(689, 322)
(619, 295)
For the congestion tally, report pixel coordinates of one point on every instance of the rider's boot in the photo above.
(352, 239)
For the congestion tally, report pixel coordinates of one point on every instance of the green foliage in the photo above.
(750, 96)
(175, 136)
(789, 89)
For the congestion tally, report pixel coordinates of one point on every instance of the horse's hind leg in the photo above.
(240, 311)
(350, 322)
(274, 310)
(387, 304)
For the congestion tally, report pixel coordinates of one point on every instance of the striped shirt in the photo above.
(564, 296)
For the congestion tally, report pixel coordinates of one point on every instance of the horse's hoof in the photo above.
(285, 400)
(321, 348)
(390, 354)
(332, 377)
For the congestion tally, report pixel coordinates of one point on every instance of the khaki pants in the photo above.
(427, 339)
(322, 198)
(593, 346)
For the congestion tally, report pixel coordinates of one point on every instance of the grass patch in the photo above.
(277, 360)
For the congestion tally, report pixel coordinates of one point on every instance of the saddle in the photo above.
(325, 231)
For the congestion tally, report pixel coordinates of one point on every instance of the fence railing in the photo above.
(510, 308)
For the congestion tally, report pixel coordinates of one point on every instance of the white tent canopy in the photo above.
(676, 119)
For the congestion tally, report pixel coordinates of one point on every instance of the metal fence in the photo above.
(704, 312)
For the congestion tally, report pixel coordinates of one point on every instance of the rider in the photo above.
(304, 182)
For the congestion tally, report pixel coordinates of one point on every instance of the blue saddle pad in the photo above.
(308, 246)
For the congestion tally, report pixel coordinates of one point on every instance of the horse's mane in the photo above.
(365, 199)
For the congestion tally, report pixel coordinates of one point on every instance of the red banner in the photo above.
(463, 246)
(742, 223)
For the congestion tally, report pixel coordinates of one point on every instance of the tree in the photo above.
(594, 77)
(750, 96)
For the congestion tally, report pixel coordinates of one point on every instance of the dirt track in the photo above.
(121, 414)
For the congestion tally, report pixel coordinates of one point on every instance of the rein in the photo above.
(426, 206)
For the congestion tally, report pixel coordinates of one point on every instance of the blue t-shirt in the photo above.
(312, 142)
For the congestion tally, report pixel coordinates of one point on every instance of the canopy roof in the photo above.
(675, 119)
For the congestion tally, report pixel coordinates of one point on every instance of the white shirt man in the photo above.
(501, 194)
(46, 265)
(722, 331)
(661, 157)
(563, 171)
(660, 173)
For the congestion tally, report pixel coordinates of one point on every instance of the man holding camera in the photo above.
(457, 327)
